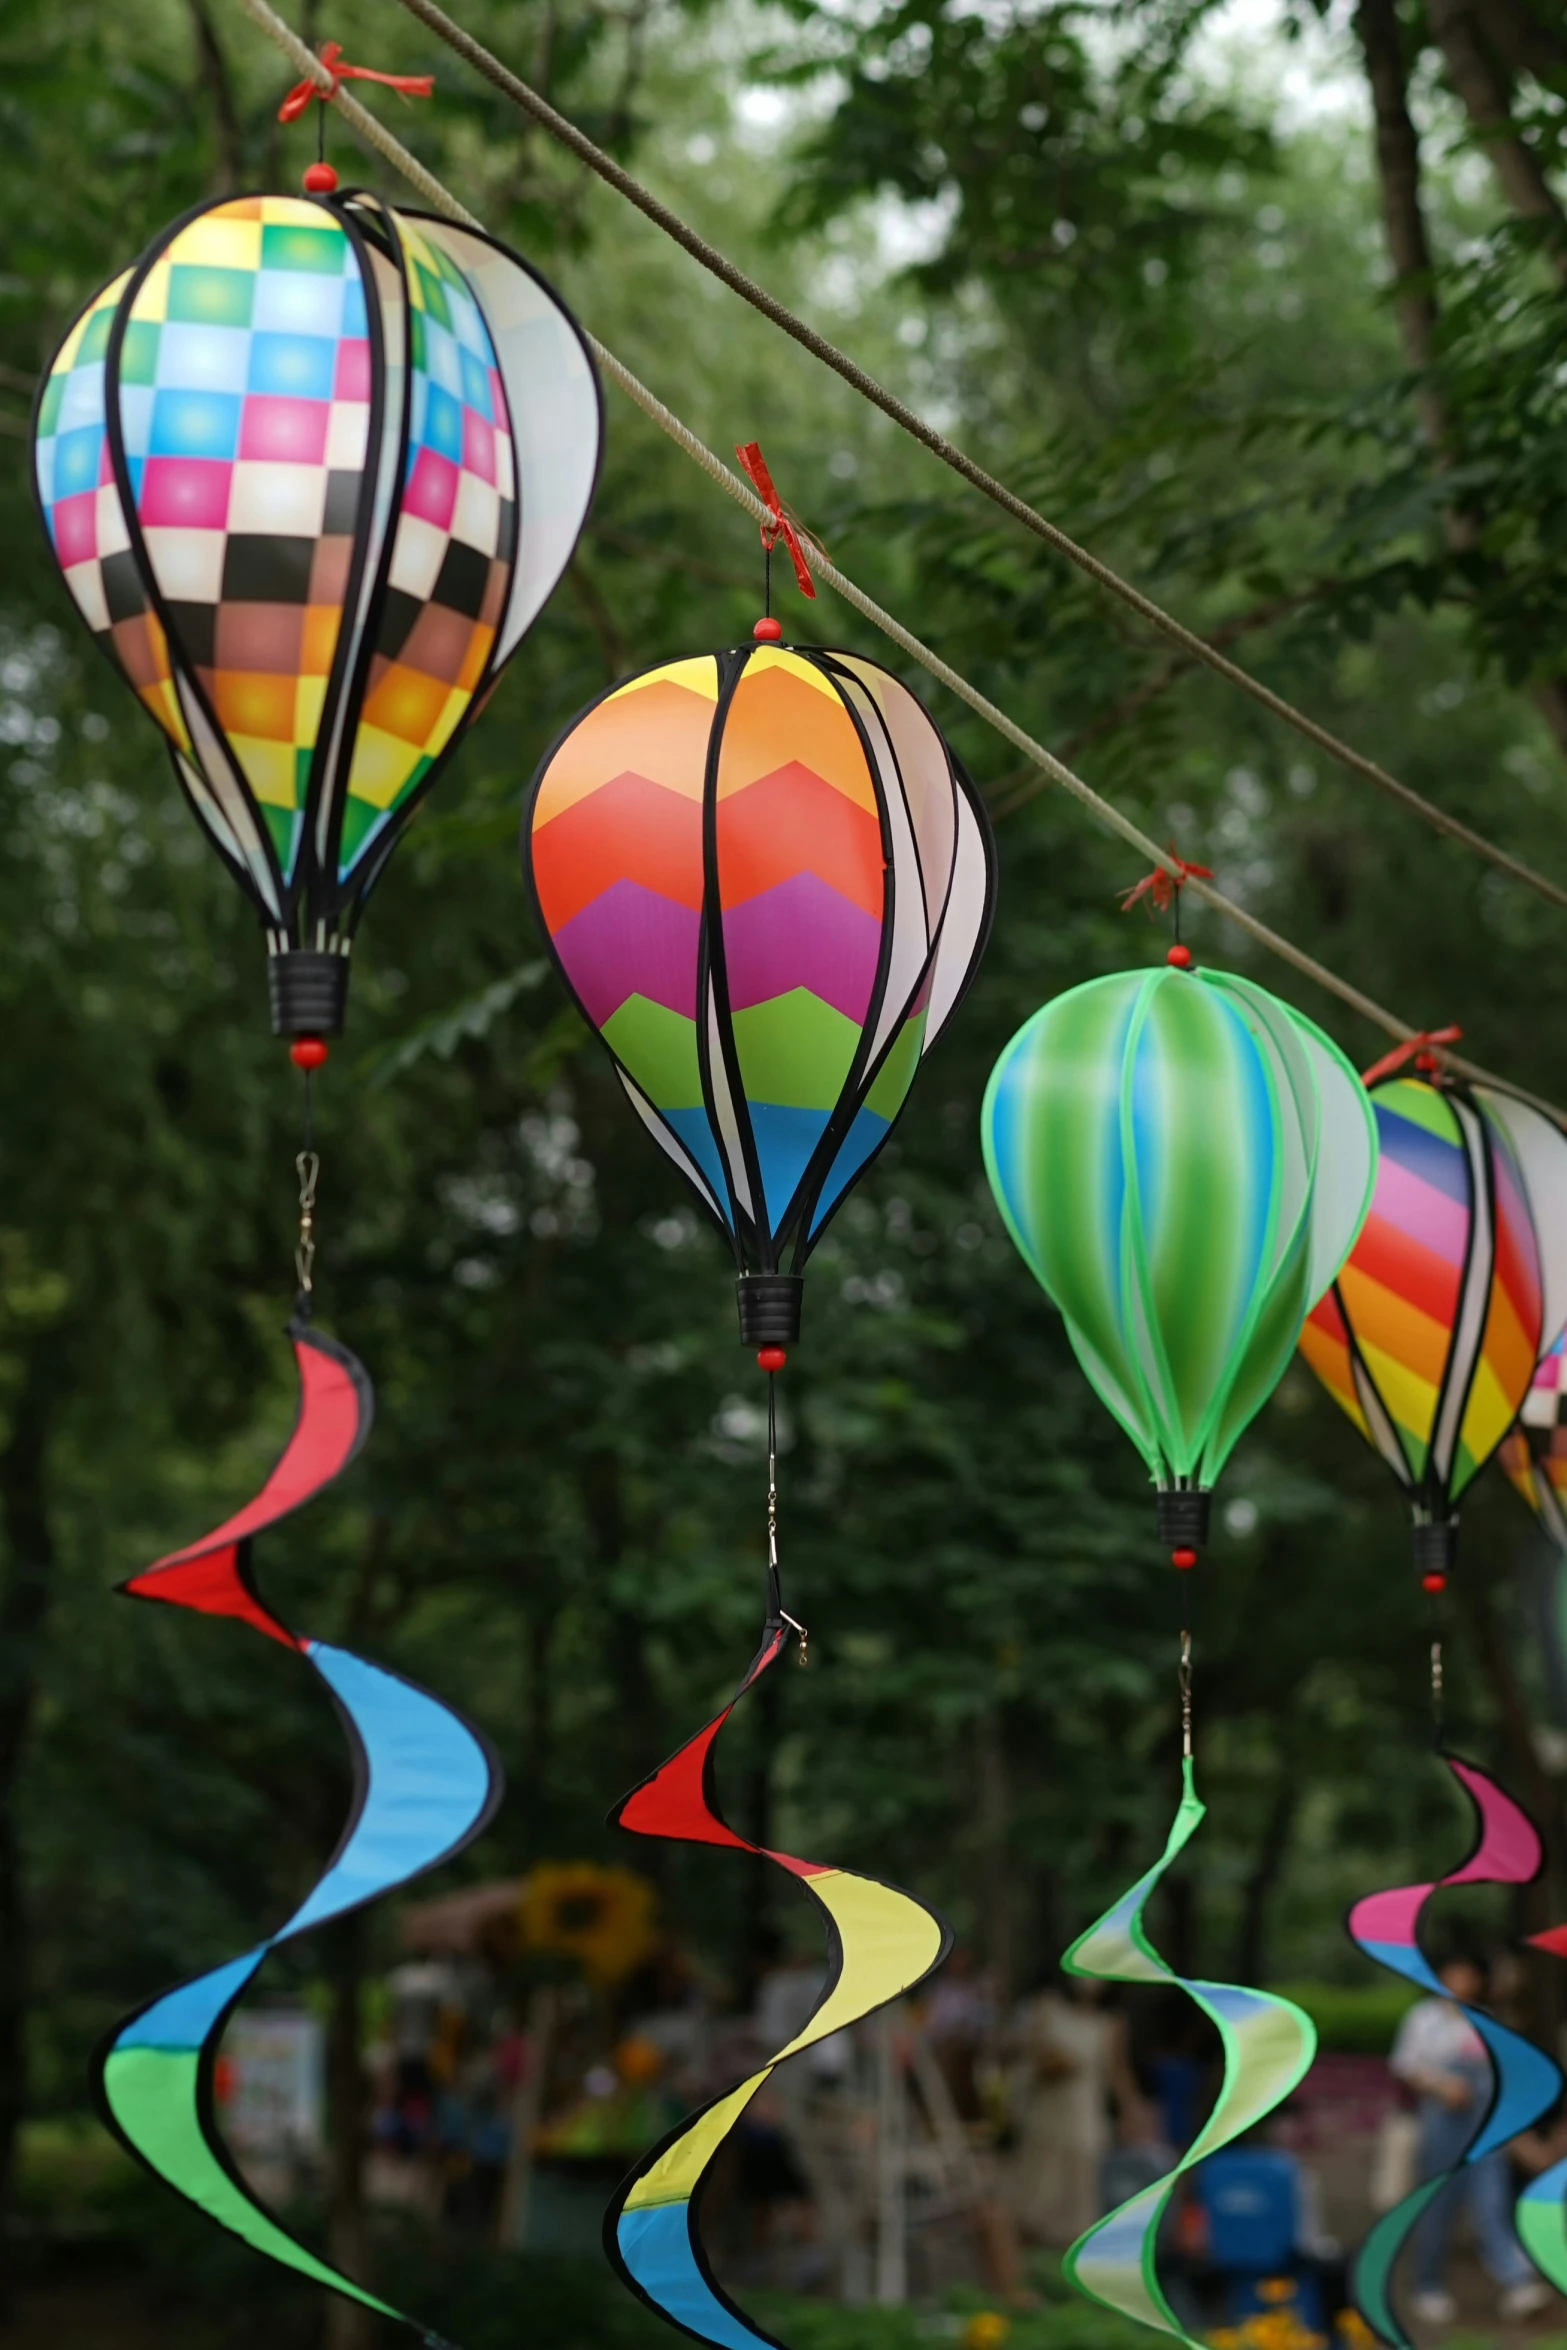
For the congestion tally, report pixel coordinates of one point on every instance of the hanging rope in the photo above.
(1195, 647)
(375, 135)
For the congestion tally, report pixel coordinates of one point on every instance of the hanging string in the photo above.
(1193, 646)
(1418, 1049)
(375, 135)
(1162, 887)
(307, 92)
(777, 1613)
(780, 523)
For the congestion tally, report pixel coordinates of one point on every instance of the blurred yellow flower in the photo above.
(987, 2329)
(601, 1917)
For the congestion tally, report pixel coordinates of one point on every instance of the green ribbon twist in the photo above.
(1268, 2045)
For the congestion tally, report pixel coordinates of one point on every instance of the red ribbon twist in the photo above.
(407, 85)
(1414, 1048)
(1159, 886)
(781, 523)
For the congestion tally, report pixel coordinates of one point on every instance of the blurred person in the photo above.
(1439, 2054)
(1070, 2075)
(960, 2017)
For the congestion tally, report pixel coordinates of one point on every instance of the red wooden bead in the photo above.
(320, 179)
(1433, 1582)
(770, 1358)
(1183, 1559)
(308, 1052)
(768, 632)
(1180, 956)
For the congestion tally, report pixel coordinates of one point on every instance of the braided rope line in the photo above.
(718, 264)
(385, 143)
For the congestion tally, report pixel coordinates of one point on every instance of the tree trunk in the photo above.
(1403, 213)
(349, 2323)
(24, 1603)
(1483, 92)
(1397, 145)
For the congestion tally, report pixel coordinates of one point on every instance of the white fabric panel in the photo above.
(1346, 1162)
(1541, 1151)
(556, 419)
(910, 937)
(1469, 1327)
(724, 1117)
(207, 808)
(964, 923)
(929, 786)
(1382, 1428)
(669, 1143)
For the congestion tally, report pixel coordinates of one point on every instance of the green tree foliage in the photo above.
(559, 1521)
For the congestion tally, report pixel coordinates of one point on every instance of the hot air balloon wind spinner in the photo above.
(1442, 1328)
(765, 881)
(310, 468)
(1183, 1163)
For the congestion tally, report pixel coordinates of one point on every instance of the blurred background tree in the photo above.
(1269, 313)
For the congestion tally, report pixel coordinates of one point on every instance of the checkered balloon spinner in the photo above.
(310, 470)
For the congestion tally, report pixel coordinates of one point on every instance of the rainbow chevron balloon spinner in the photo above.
(1437, 1327)
(1183, 1162)
(766, 883)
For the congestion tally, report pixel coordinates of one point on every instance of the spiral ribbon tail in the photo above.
(1526, 2082)
(1268, 2044)
(880, 1942)
(426, 1783)
(1540, 2214)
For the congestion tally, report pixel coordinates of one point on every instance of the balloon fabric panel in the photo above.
(1400, 1289)
(799, 870)
(617, 863)
(244, 404)
(1510, 1344)
(452, 552)
(85, 520)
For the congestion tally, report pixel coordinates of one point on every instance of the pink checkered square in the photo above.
(289, 431)
(185, 493)
(432, 489)
(478, 445)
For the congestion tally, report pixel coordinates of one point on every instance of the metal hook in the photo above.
(307, 1166)
(796, 1626)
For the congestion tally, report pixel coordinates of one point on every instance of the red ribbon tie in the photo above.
(780, 523)
(1418, 1049)
(1160, 886)
(407, 85)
